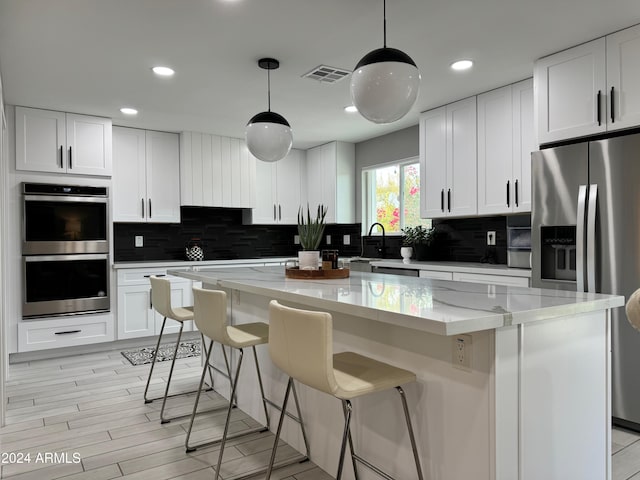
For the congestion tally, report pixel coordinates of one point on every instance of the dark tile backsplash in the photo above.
(466, 239)
(222, 236)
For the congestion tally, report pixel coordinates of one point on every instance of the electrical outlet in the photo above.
(139, 241)
(346, 239)
(461, 352)
(328, 239)
(296, 239)
(491, 238)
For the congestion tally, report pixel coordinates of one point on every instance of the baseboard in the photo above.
(97, 347)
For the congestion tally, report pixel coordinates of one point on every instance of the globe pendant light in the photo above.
(385, 83)
(268, 134)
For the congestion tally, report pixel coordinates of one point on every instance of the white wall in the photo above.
(387, 148)
(4, 356)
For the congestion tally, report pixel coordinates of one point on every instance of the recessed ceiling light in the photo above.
(351, 108)
(163, 71)
(129, 111)
(462, 65)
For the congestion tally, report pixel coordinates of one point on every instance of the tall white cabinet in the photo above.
(146, 172)
(58, 142)
(505, 142)
(331, 180)
(589, 89)
(280, 190)
(448, 160)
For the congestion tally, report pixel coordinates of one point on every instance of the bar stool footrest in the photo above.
(372, 467)
(192, 448)
(283, 463)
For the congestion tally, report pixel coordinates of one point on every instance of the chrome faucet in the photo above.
(382, 251)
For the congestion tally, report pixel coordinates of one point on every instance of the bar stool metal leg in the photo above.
(279, 429)
(410, 428)
(173, 363)
(348, 409)
(264, 398)
(195, 405)
(283, 412)
(346, 434)
(153, 363)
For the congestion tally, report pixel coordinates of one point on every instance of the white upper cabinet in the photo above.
(58, 142)
(448, 160)
(330, 180)
(589, 89)
(623, 78)
(279, 191)
(505, 143)
(216, 171)
(145, 177)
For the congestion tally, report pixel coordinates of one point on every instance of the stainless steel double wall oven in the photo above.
(65, 249)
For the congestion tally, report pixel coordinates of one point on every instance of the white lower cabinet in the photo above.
(68, 331)
(136, 317)
(436, 274)
(506, 280)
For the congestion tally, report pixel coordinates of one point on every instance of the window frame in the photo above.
(368, 193)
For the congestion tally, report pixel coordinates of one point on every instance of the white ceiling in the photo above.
(94, 56)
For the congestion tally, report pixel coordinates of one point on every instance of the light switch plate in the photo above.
(139, 241)
(346, 240)
(296, 239)
(328, 239)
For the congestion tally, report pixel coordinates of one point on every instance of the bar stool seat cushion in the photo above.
(182, 314)
(358, 375)
(247, 334)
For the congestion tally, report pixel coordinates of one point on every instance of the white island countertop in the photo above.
(434, 306)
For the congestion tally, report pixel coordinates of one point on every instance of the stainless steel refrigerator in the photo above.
(586, 237)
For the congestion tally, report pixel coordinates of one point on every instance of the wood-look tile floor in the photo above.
(89, 410)
(92, 406)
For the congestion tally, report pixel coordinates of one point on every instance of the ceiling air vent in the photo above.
(326, 74)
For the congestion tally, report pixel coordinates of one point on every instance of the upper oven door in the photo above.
(64, 224)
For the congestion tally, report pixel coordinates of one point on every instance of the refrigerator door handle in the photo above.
(580, 240)
(591, 238)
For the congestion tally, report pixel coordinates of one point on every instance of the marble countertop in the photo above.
(203, 263)
(436, 306)
(463, 267)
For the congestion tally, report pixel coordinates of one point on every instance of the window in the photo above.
(391, 196)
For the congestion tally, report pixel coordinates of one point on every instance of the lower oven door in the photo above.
(65, 284)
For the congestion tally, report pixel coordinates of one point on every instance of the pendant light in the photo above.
(268, 134)
(385, 82)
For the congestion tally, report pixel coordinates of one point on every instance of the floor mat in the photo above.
(141, 356)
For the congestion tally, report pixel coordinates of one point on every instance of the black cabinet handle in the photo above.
(598, 107)
(149, 208)
(279, 212)
(70, 164)
(61, 157)
(156, 275)
(142, 206)
(508, 193)
(449, 200)
(68, 332)
(613, 115)
(517, 204)
(442, 200)
(274, 212)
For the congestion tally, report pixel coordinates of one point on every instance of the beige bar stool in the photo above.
(210, 315)
(161, 302)
(301, 345)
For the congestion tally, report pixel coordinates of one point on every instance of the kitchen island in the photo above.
(530, 399)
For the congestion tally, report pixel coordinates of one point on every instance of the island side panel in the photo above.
(565, 398)
(450, 407)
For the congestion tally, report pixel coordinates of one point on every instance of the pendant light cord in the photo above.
(384, 16)
(269, 89)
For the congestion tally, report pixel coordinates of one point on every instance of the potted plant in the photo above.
(422, 240)
(406, 250)
(310, 231)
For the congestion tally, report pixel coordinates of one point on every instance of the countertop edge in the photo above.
(484, 268)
